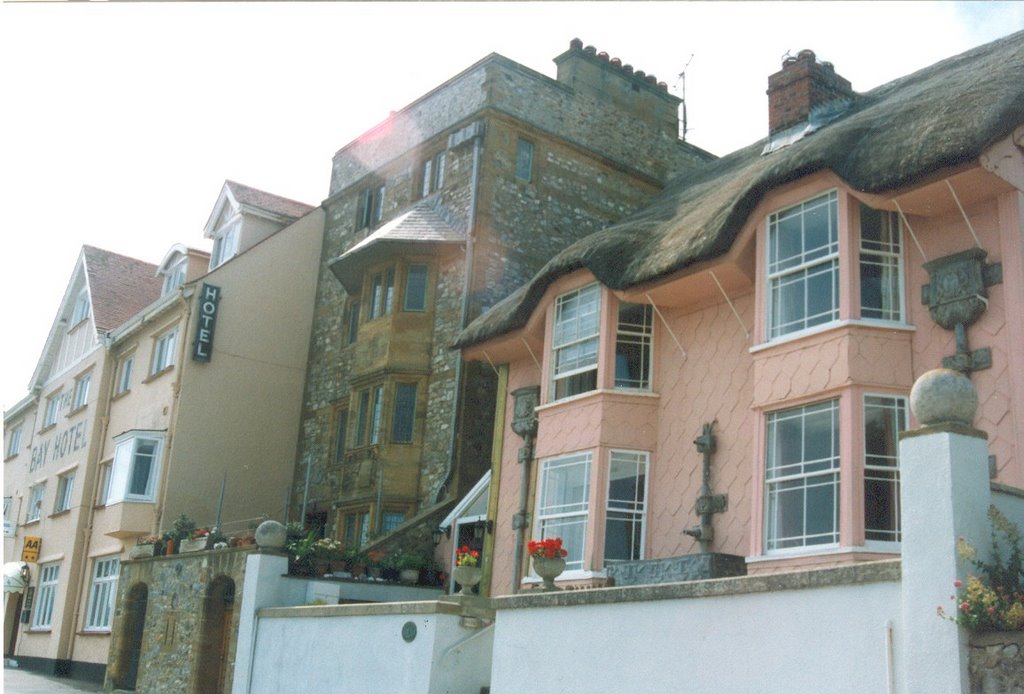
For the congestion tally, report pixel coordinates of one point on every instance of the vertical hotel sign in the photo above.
(209, 298)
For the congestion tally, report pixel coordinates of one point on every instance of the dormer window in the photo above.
(174, 276)
(81, 310)
(225, 245)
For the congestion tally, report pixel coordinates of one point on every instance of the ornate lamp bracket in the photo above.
(956, 297)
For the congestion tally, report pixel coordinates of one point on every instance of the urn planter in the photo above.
(467, 577)
(549, 570)
(197, 545)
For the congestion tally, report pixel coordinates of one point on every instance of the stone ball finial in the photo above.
(271, 535)
(944, 396)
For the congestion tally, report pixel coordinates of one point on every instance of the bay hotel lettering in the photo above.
(209, 297)
(68, 441)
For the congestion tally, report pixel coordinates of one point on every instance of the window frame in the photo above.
(807, 479)
(887, 255)
(640, 335)
(80, 398)
(14, 442)
(621, 508)
(407, 416)
(551, 517)
(52, 411)
(106, 469)
(897, 410)
(99, 614)
(381, 293)
(340, 435)
(432, 173)
(125, 368)
(524, 160)
(174, 276)
(65, 492)
(46, 596)
(370, 206)
(123, 467)
(36, 494)
(420, 292)
(802, 267)
(225, 244)
(570, 334)
(81, 310)
(164, 346)
(352, 321)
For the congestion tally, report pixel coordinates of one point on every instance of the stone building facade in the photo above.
(433, 216)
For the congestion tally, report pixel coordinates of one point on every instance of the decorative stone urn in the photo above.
(549, 570)
(467, 577)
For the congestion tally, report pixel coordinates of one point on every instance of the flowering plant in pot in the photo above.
(548, 559)
(467, 572)
(146, 546)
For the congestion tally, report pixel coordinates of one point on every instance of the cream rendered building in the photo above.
(195, 391)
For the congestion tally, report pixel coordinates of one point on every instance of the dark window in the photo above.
(416, 288)
(382, 293)
(633, 346)
(404, 414)
(353, 320)
(524, 160)
(340, 430)
(362, 417)
(371, 207)
(432, 174)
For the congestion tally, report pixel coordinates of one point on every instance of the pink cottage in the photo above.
(718, 382)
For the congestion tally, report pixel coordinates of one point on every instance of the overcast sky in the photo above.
(119, 122)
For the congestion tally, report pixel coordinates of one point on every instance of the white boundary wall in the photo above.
(830, 639)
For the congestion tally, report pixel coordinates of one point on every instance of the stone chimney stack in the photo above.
(801, 86)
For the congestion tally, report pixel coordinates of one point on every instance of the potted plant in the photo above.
(301, 552)
(548, 559)
(467, 572)
(145, 546)
(409, 567)
(196, 541)
(355, 560)
(374, 563)
(181, 529)
(326, 551)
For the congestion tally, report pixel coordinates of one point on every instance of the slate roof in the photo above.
(119, 286)
(423, 223)
(269, 202)
(941, 116)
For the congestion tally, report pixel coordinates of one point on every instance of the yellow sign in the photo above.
(30, 552)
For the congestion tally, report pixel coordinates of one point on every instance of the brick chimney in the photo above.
(802, 85)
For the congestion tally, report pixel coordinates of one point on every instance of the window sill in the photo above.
(31, 521)
(570, 575)
(827, 327)
(62, 512)
(153, 376)
(118, 396)
(46, 428)
(94, 632)
(78, 409)
(627, 392)
(826, 551)
(39, 630)
(10, 458)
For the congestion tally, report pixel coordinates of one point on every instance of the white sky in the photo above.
(119, 122)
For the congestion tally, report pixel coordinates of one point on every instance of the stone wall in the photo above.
(997, 662)
(180, 621)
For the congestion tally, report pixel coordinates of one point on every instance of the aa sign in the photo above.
(30, 552)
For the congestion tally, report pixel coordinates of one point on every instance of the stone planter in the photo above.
(193, 545)
(549, 570)
(997, 662)
(141, 551)
(467, 577)
(410, 575)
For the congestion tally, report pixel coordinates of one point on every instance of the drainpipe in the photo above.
(524, 423)
(464, 313)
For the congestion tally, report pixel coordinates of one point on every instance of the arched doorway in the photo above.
(130, 647)
(212, 668)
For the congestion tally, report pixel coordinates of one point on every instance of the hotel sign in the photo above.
(209, 298)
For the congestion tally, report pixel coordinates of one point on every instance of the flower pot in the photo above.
(409, 575)
(169, 547)
(141, 551)
(549, 570)
(197, 545)
(467, 577)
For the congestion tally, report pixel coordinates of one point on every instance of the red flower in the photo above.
(546, 549)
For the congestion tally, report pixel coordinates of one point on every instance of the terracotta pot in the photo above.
(549, 570)
(467, 577)
(169, 547)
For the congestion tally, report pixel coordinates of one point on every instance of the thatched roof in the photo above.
(942, 116)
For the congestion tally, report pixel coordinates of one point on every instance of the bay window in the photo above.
(575, 341)
(136, 467)
(633, 346)
(802, 476)
(382, 293)
(881, 262)
(368, 416)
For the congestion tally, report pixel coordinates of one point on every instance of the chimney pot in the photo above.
(575, 45)
(590, 50)
(640, 74)
(616, 62)
(628, 69)
(603, 56)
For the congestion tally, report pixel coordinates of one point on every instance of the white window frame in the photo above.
(807, 477)
(174, 276)
(887, 255)
(800, 268)
(36, 493)
(575, 341)
(628, 510)
(127, 457)
(14, 442)
(8, 521)
(432, 174)
(164, 347)
(102, 593)
(124, 374)
(81, 396)
(553, 516)
(882, 469)
(225, 244)
(103, 491)
(52, 410)
(638, 337)
(65, 492)
(82, 308)
(46, 595)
